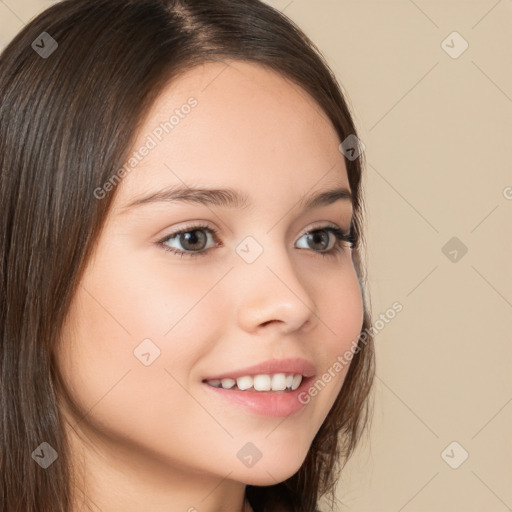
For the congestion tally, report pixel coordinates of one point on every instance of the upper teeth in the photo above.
(275, 382)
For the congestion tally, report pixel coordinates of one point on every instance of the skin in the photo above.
(151, 437)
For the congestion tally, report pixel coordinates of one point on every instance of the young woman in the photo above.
(184, 323)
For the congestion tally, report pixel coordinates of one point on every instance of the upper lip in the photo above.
(293, 366)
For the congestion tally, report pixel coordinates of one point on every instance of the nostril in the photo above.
(269, 322)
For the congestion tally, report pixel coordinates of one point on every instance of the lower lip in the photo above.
(264, 403)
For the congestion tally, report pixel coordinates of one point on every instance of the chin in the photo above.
(274, 471)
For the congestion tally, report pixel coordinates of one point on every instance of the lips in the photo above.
(271, 388)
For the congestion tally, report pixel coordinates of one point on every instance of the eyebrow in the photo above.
(231, 198)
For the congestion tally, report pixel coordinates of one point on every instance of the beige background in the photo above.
(438, 134)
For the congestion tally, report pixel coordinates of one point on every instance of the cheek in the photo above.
(341, 312)
(118, 397)
(126, 314)
(341, 307)
(134, 298)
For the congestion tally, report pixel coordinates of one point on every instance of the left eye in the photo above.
(193, 240)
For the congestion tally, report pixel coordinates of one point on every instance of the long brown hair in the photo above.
(67, 121)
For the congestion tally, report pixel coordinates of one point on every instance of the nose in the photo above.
(273, 296)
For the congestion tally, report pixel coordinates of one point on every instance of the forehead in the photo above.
(234, 124)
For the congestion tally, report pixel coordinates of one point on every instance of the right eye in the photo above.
(191, 238)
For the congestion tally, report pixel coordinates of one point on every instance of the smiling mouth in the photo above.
(256, 383)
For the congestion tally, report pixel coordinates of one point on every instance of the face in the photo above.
(260, 292)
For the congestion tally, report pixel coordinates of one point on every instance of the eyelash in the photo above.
(338, 247)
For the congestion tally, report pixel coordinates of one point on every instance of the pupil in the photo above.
(321, 235)
(192, 238)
